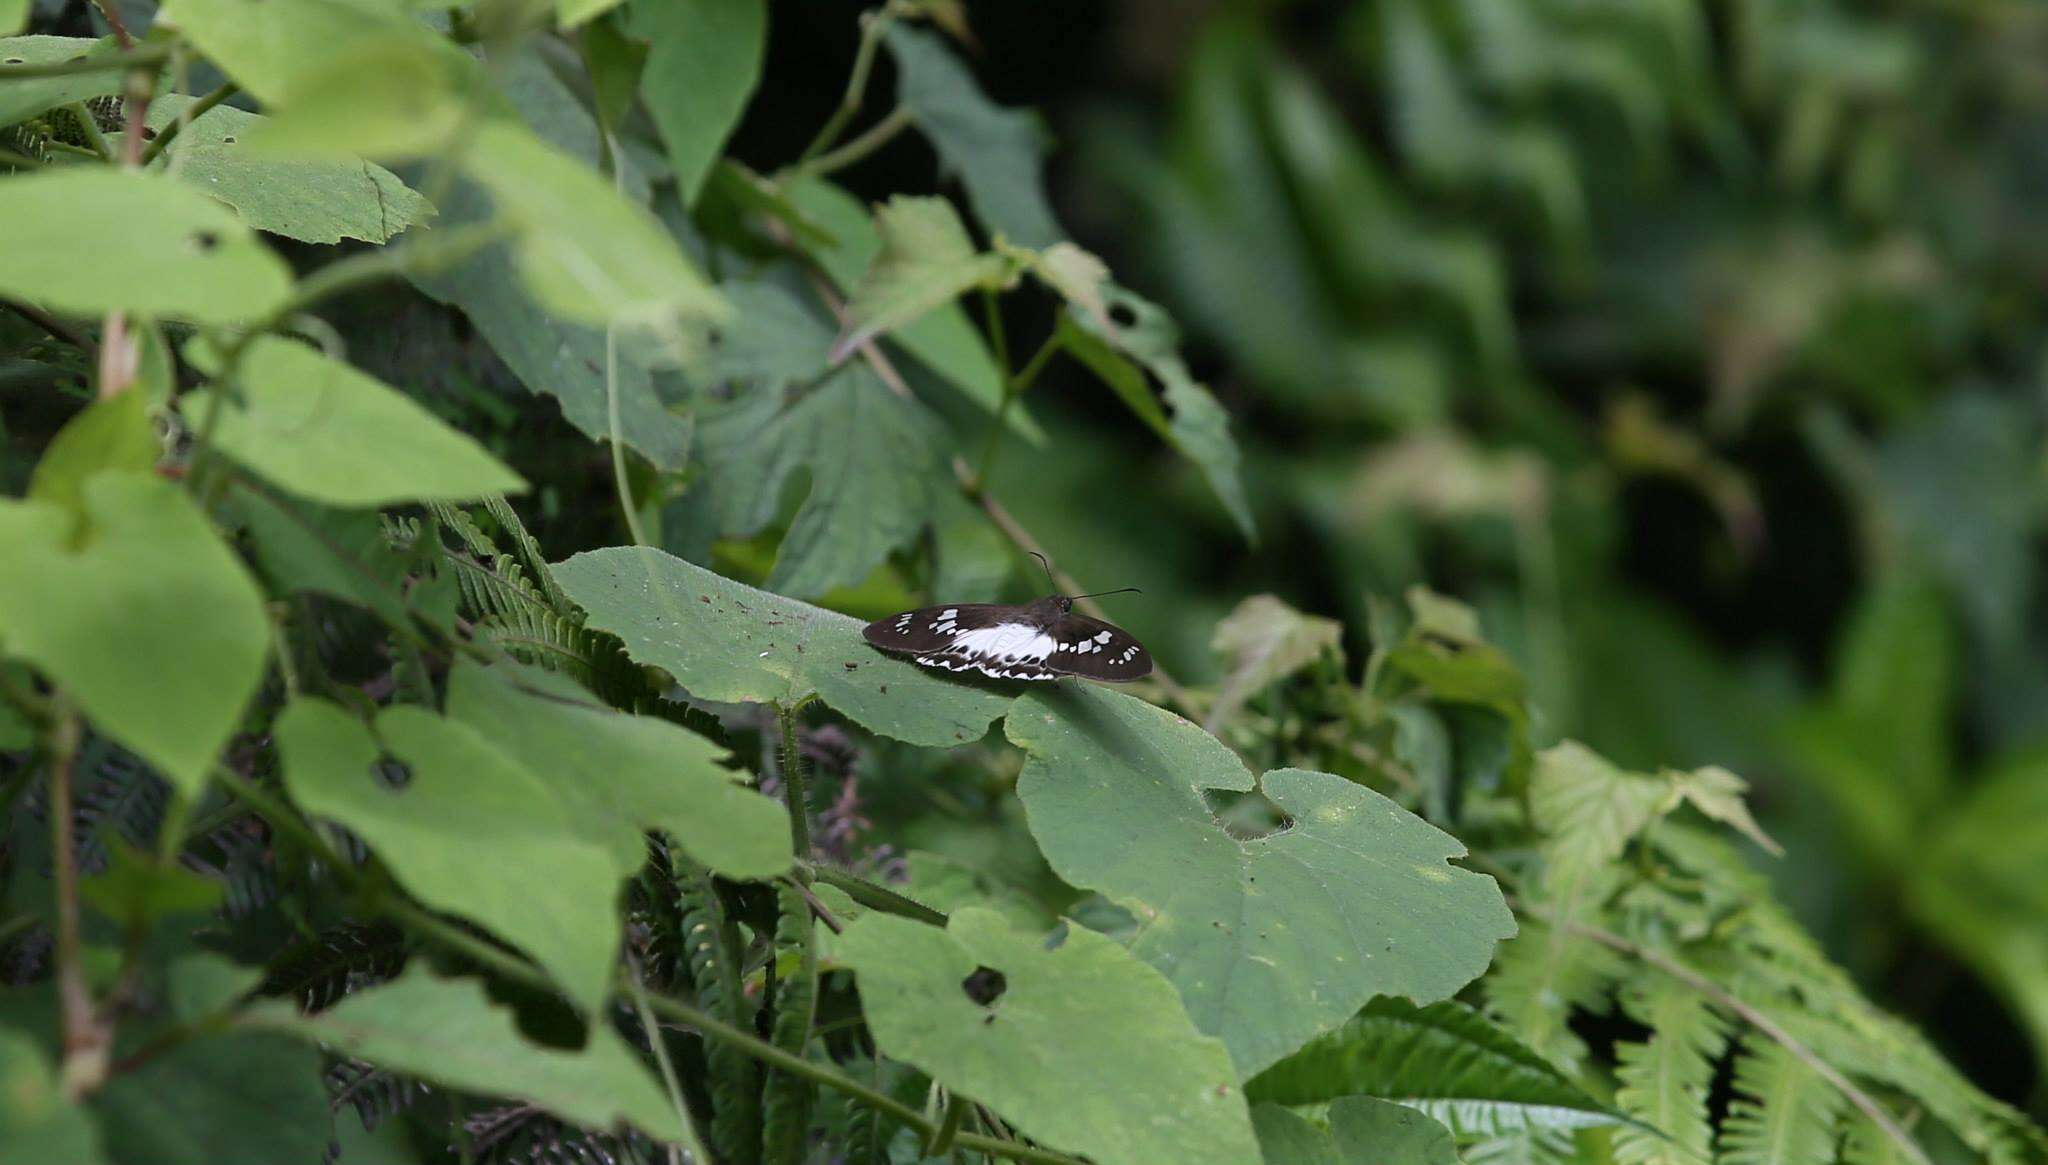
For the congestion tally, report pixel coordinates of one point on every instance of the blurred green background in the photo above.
(1699, 343)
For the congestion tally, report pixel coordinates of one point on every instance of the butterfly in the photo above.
(1041, 640)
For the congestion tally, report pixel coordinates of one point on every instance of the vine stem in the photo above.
(872, 26)
(486, 954)
(1862, 1100)
(793, 791)
(871, 139)
(691, 1142)
(620, 482)
(87, 1044)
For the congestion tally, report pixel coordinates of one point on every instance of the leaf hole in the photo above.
(1123, 315)
(206, 240)
(15, 61)
(229, 140)
(148, 134)
(985, 986)
(391, 773)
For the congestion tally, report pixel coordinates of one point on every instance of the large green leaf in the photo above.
(518, 864)
(1361, 1129)
(449, 1031)
(926, 261)
(620, 775)
(243, 1096)
(151, 592)
(728, 642)
(319, 428)
(314, 201)
(1270, 940)
(109, 433)
(703, 61)
(871, 458)
(997, 152)
(183, 255)
(943, 340)
(1445, 1059)
(587, 253)
(23, 99)
(37, 1125)
(269, 48)
(1083, 1048)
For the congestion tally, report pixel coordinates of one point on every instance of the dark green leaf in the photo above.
(703, 61)
(243, 1096)
(136, 891)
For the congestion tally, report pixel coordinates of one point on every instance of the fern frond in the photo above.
(1783, 1113)
(1665, 1079)
(1539, 978)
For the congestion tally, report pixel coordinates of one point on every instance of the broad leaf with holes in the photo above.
(1445, 1059)
(448, 1031)
(728, 642)
(314, 201)
(22, 99)
(144, 590)
(1117, 1071)
(1270, 940)
(551, 889)
(326, 432)
(620, 775)
(183, 255)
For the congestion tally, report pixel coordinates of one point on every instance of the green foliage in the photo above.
(332, 788)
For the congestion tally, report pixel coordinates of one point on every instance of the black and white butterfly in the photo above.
(1043, 640)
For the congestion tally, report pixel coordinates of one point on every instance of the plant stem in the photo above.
(872, 26)
(941, 1142)
(1750, 1015)
(86, 1043)
(874, 895)
(793, 792)
(648, 1024)
(133, 59)
(1014, 388)
(187, 116)
(871, 139)
(90, 127)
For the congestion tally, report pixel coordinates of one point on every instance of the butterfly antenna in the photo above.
(1048, 569)
(1118, 591)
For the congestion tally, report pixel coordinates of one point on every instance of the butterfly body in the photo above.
(1040, 640)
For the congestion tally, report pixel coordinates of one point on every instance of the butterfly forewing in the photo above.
(1031, 641)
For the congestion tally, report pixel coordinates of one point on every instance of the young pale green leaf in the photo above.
(1446, 1060)
(1361, 1129)
(943, 339)
(449, 1031)
(242, 1096)
(1270, 940)
(575, 13)
(728, 642)
(586, 253)
(703, 61)
(1199, 428)
(1591, 809)
(269, 49)
(21, 99)
(1718, 794)
(314, 201)
(1119, 1074)
(518, 865)
(326, 432)
(183, 255)
(391, 93)
(997, 152)
(150, 592)
(619, 775)
(926, 261)
(37, 1125)
(871, 459)
(1442, 658)
(112, 433)
(1264, 641)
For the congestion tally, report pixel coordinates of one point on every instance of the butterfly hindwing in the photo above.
(933, 628)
